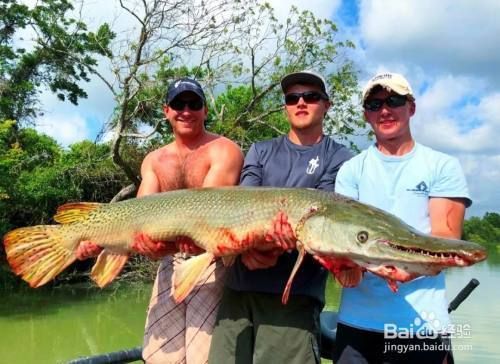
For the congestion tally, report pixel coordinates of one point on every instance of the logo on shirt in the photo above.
(420, 189)
(313, 164)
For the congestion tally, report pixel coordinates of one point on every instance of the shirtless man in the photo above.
(181, 333)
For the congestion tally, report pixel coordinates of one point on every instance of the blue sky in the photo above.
(447, 49)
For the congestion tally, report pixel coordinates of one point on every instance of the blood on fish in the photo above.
(336, 265)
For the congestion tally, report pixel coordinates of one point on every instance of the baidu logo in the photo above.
(424, 326)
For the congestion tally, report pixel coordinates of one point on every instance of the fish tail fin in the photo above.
(37, 253)
(107, 267)
(74, 211)
(188, 273)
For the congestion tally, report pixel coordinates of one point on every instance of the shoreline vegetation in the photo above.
(138, 270)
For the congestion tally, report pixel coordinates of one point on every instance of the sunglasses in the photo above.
(309, 97)
(392, 101)
(179, 105)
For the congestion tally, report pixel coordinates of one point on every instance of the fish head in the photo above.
(352, 232)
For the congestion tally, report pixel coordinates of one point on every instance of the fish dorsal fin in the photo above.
(188, 274)
(288, 287)
(107, 267)
(74, 211)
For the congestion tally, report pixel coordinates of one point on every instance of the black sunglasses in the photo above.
(391, 101)
(309, 97)
(179, 104)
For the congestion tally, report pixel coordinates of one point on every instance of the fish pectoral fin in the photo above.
(187, 274)
(298, 262)
(107, 267)
(393, 285)
(350, 277)
(75, 211)
(228, 260)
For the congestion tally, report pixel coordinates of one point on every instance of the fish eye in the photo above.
(362, 236)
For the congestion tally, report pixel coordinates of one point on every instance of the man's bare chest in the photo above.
(176, 172)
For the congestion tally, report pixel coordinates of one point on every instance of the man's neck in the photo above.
(305, 137)
(396, 147)
(189, 143)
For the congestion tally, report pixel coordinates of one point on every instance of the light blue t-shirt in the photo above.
(401, 185)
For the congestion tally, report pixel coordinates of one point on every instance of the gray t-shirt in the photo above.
(280, 163)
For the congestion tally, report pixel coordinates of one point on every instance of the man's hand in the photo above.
(282, 233)
(259, 259)
(187, 245)
(153, 249)
(87, 249)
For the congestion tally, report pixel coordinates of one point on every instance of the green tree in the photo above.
(60, 56)
(240, 61)
(38, 176)
(485, 231)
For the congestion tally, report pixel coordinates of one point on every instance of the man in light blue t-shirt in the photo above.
(426, 189)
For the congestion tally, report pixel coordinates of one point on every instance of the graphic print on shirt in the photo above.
(420, 189)
(313, 164)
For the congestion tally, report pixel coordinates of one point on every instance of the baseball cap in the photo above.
(304, 77)
(390, 81)
(183, 85)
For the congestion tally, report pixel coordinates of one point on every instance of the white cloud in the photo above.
(447, 119)
(450, 34)
(65, 129)
(483, 176)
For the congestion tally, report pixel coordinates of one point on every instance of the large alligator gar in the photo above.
(345, 236)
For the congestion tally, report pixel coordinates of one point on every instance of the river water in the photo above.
(54, 325)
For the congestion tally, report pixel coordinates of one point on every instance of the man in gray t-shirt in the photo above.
(252, 325)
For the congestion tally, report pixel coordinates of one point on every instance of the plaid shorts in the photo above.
(181, 333)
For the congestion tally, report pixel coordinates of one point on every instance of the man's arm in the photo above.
(149, 183)
(251, 173)
(223, 172)
(347, 182)
(337, 159)
(226, 160)
(447, 216)
(449, 197)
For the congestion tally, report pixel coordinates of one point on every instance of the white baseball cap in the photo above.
(391, 82)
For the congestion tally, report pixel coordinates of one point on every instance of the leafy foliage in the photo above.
(38, 175)
(485, 231)
(60, 55)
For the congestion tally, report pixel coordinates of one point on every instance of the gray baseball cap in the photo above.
(304, 77)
